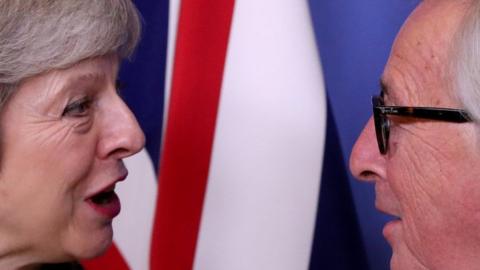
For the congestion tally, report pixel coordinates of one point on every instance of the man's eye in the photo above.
(78, 108)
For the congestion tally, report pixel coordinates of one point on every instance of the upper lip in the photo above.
(386, 201)
(110, 185)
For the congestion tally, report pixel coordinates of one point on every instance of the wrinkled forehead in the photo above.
(417, 73)
(55, 85)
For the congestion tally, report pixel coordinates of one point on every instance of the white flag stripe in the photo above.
(133, 227)
(173, 17)
(261, 200)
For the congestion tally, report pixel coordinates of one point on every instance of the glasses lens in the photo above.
(381, 125)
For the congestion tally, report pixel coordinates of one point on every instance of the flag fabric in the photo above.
(201, 44)
(242, 167)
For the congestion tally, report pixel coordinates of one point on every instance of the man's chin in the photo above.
(402, 257)
(405, 263)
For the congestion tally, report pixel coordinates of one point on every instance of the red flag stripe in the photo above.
(112, 259)
(202, 40)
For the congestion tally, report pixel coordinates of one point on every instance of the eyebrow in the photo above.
(85, 79)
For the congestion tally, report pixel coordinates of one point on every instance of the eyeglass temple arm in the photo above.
(450, 115)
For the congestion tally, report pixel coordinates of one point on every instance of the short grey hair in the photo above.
(41, 35)
(466, 61)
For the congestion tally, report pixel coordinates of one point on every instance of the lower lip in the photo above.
(110, 209)
(390, 228)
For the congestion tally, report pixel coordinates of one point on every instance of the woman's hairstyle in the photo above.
(466, 61)
(40, 35)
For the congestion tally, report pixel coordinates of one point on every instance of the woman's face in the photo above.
(63, 137)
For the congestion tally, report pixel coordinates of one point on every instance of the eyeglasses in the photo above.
(382, 124)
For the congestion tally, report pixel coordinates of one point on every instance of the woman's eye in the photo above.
(78, 108)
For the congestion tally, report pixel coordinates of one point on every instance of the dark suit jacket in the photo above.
(62, 266)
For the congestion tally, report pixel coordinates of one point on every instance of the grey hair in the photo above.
(465, 61)
(41, 35)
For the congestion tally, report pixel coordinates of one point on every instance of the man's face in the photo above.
(429, 178)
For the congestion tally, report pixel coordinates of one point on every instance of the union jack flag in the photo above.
(231, 97)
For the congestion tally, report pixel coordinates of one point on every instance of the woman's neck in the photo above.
(15, 257)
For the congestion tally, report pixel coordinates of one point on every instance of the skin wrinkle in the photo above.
(404, 81)
(47, 122)
(61, 135)
(48, 126)
(407, 218)
(73, 85)
(48, 87)
(410, 82)
(424, 139)
(417, 158)
(417, 189)
(417, 239)
(415, 206)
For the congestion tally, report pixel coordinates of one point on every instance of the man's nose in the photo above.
(366, 162)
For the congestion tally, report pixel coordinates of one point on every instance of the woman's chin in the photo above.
(96, 251)
(91, 245)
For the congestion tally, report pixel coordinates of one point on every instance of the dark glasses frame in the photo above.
(382, 124)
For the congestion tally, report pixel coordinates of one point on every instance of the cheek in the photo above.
(411, 186)
(439, 195)
(60, 165)
(59, 148)
(45, 172)
(47, 179)
(426, 168)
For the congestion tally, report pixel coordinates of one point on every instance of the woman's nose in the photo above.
(366, 162)
(121, 133)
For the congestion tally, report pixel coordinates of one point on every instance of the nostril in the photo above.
(120, 152)
(368, 176)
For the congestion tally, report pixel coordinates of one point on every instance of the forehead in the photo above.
(43, 92)
(417, 73)
(94, 67)
(87, 70)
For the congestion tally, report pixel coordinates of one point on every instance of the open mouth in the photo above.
(106, 202)
(104, 197)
